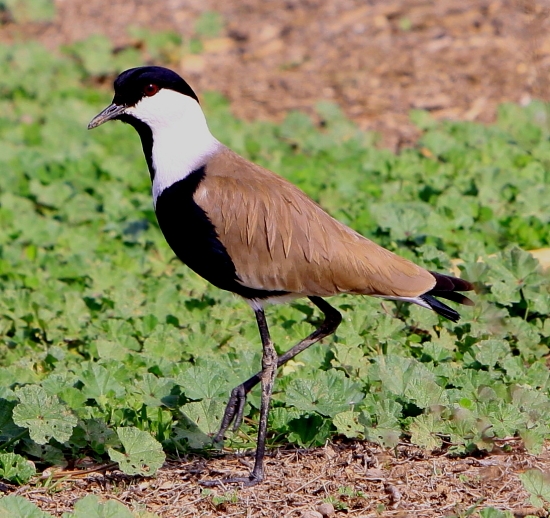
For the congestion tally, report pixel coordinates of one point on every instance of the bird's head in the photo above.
(155, 96)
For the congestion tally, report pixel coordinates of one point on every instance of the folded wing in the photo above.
(280, 240)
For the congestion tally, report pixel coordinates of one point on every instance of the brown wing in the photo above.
(279, 239)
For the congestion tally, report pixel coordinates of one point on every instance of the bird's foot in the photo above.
(234, 412)
(249, 481)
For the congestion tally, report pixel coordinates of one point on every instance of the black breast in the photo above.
(194, 239)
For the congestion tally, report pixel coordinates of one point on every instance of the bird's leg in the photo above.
(267, 378)
(269, 369)
(235, 406)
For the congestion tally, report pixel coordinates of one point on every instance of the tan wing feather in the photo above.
(279, 239)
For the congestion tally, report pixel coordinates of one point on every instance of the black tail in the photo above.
(446, 287)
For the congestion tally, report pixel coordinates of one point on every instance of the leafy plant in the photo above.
(19, 507)
(91, 507)
(142, 455)
(16, 468)
(88, 507)
(537, 484)
(220, 501)
(113, 349)
(209, 24)
(30, 10)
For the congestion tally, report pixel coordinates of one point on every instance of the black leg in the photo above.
(269, 369)
(267, 377)
(235, 406)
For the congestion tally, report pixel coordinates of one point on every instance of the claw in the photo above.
(241, 402)
(234, 411)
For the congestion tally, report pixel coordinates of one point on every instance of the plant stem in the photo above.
(13, 439)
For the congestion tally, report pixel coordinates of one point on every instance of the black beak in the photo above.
(111, 112)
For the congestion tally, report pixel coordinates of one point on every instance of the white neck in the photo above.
(182, 142)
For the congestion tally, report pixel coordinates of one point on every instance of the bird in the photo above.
(249, 231)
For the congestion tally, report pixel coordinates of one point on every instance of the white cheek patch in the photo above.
(182, 142)
(160, 108)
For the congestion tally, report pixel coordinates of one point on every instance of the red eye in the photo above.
(150, 90)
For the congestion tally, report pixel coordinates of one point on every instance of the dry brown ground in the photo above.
(377, 59)
(360, 480)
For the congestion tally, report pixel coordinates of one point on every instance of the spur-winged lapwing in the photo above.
(249, 231)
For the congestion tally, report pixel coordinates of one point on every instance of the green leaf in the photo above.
(511, 271)
(51, 195)
(505, 418)
(404, 221)
(328, 393)
(490, 352)
(99, 435)
(43, 415)
(209, 24)
(31, 10)
(424, 429)
(280, 418)
(19, 507)
(537, 484)
(95, 54)
(142, 455)
(422, 119)
(204, 381)
(92, 507)
(155, 390)
(205, 414)
(352, 359)
(46, 453)
(347, 424)
(164, 342)
(188, 430)
(491, 512)
(409, 378)
(386, 412)
(533, 440)
(100, 384)
(309, 431)
(8, 429)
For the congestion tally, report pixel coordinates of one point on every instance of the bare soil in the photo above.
(377, 59)
(358, 479)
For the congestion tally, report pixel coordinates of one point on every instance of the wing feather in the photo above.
(279, 239)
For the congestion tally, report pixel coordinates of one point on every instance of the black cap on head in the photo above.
(130, 86)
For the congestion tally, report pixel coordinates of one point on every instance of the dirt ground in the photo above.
(377, 59)
(357, 479)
